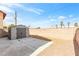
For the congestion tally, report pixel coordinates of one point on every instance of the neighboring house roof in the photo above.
(4, 14)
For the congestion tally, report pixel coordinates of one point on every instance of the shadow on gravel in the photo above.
(40, 37)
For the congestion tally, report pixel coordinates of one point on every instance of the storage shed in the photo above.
(17, 32)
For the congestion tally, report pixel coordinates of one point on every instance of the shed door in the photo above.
(21, 33)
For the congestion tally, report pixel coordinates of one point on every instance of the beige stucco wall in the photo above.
(1, 20)
(1, 15)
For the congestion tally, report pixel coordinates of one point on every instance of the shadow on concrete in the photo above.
(76, 42)
(40, 37)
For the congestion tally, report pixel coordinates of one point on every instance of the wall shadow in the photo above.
(40, 37)
(76, 43)
(3, 33)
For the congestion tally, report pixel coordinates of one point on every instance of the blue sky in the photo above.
(41, 14)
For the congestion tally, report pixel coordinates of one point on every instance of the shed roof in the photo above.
(21, 26)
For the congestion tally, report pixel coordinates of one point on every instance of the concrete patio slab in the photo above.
(20, 47)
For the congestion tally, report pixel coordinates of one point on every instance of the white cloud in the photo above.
(61, 17)
(10, 20)
(49, 17)
(6, 9)
(33, 10)
(10, 4)
(40, 10)
(70, 16)
(52, 19)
